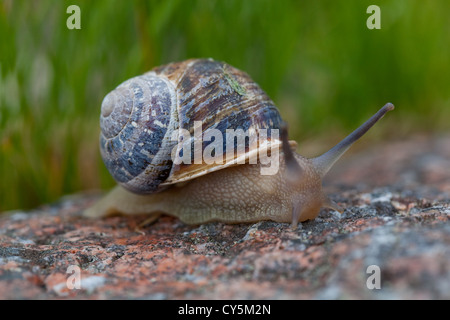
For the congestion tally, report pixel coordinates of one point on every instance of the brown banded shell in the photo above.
(143, 115)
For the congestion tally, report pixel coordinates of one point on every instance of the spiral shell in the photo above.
(138, 119)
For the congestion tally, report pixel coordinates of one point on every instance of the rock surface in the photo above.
(397, 209)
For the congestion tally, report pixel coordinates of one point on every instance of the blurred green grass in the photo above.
(316, 59)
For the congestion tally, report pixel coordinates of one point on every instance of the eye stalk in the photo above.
(293, 168)
(324, 162)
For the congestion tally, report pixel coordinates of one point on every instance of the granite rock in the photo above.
(394, 234)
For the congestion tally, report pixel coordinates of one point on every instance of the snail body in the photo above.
(143, 119)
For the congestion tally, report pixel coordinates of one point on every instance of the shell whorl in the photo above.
(221, 97)
(136, 128)
(139, 117)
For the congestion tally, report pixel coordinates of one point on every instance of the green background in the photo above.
(325, 70)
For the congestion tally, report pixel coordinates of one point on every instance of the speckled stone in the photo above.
(396, 217)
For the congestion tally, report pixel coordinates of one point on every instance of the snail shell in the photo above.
(142, 115)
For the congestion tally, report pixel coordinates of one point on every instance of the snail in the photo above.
(150, 122)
